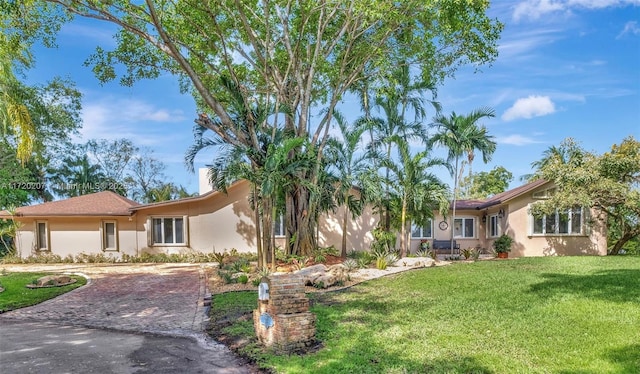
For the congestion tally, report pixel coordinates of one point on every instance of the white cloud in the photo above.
(529, 107)
(114, 118)
(516, 140)
(630, 27)
(535, 9)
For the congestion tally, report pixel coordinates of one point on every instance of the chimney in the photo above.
(204, 185)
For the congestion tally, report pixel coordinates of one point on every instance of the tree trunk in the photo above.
(299, 217)
(267, 224)
(403, 229)
(621, 242)
(256, 210)
(455, 196)
(345, 223)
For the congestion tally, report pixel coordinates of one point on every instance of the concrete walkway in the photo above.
(162, 299)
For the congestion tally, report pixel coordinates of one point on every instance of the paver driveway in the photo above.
(158, 298)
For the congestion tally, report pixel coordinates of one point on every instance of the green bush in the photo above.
(243, 278)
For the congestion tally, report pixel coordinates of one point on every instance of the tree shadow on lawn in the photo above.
(609, 285)
(367, 353)
(627, 359)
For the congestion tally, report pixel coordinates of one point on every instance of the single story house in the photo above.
(217, 221)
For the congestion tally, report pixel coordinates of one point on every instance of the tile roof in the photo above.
(105, 203)
(500, 198)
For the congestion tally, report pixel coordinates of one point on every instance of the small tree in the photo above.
(609, 182)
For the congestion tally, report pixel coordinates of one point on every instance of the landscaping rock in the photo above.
(53, 280)
(322, 276)
(339, 271)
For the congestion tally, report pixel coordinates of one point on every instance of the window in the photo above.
(566, 222)
(278, 226)
(464, 227)
(42, 236)
(494, 226)
(422, 232)
(109, 236)
(168, 230)
(544, 194)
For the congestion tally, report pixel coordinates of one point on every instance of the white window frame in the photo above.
(556, 231)
(173, 219)
(47, 236)
(422, 235)
(496, 218)
(474, 236)
(281, 233)
(103, 232)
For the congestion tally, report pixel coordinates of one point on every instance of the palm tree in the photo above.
(567, 152)
(342, 155)
(461, 135)
(418, 190)
(78, 176)
(394, 99)
(14, 114)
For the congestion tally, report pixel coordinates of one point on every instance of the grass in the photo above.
(16, 295)
(533, 315)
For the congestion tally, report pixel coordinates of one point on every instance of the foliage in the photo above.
(461, 135)
(219, 257)
(483, 185)
(350, 264)
(467, 253)
(347, 166)
(243, 279)
(226, 276)
(415, 191)
(502, 244)
(239, 265)
(382, 240)
(190, 257)
(145, 177)
(609, 182)
(265, 49)
(16, 295)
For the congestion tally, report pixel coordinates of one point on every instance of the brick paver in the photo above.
(166, 299)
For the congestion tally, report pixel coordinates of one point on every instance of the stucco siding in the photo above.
(592, 242)
(75, 235)
(215, 224)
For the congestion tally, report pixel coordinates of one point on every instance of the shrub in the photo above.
(243, 278)
(350, 264)
(226, 276)
(381, 263)
(467, 253)
(239, 265)
(256, 282)
(503, 244)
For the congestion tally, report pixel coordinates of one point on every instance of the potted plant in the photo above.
(502, 246)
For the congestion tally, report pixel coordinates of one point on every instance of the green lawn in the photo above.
(534, 315)
(16, 295)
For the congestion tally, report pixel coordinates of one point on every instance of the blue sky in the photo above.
(566, 69)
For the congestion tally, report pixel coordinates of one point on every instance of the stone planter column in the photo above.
(283, 321)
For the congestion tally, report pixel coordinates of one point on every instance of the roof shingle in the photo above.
(105, 203)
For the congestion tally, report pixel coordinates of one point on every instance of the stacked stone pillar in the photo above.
(283, 321)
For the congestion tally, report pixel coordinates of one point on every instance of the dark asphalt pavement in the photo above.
(43, 347)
